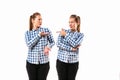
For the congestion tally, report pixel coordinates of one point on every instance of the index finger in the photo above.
(58, 31)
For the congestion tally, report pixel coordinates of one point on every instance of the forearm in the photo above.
(62, 45)
(73, 42)
(31, 41)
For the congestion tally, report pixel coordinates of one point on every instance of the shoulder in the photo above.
(81, 34)
(44, 28)
(28, 32)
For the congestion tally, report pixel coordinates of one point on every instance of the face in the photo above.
(72, 24)
(37, 22)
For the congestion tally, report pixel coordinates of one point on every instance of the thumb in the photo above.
(49, 49)
(58, 31)
(63, 29)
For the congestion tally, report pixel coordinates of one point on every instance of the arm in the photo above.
(62, 45)
(50, 39)
(31, 42)
(74, 43)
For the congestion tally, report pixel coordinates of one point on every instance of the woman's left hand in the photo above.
(46, 50)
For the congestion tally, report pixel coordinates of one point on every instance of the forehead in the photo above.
(72, 19)
(38, 17)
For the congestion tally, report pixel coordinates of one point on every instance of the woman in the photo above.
(39, 41)
(68, 43)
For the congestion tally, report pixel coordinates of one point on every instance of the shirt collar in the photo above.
(34, 30)
(37, 29)
(69, 30)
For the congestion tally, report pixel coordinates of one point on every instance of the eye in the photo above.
(40, 19)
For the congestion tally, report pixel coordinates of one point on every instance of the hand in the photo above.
(44, 34)
(74, 49)
(78, 46)
(46, 50)
(62, 32)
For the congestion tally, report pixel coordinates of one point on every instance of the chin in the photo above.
(72, 28)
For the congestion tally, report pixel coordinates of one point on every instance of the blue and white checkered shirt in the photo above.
(36, 45)
(65, 45)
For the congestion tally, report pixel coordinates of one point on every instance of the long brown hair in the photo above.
(30, 20)
(77, 19)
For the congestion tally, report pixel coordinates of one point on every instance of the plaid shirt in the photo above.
(36, 45)
(65, 45)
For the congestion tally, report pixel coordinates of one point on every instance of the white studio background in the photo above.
(99, 53)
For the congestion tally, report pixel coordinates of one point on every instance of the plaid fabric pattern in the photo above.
(65, 45)
(36, 45)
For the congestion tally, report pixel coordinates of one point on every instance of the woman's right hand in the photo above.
(62, 32)
(46, 50)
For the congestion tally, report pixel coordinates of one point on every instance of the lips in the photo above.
(70, 26)
(38, 27)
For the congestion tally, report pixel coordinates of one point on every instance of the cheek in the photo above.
(73, 24)
(40, 21)
(36, 23)
(73, 27)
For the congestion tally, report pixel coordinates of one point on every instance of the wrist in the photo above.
(39, 35)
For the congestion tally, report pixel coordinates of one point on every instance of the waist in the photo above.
(68, 51)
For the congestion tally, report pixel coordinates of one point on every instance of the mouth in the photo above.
(37, 27)
(70, 26)
(40, 24)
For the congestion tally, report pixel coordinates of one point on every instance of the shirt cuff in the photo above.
(39, 35)
(71, 49)
(49, 46)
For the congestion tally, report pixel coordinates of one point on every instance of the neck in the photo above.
(35, 27)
